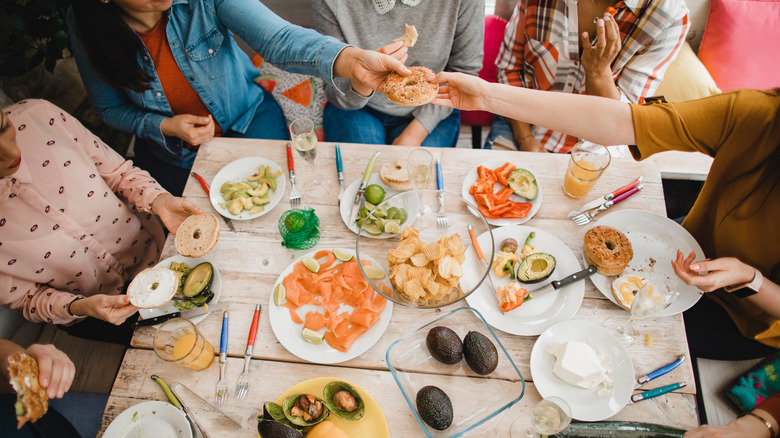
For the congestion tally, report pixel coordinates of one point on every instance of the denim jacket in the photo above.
(200, 33)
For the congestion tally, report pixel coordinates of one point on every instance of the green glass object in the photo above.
(299, 228)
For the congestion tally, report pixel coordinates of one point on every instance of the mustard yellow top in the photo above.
(737, 213)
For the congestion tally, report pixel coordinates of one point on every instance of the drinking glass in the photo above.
(304, 139)
(587, 163)
(419, 162)
(653, 297)
(551, 415)
(179, 341)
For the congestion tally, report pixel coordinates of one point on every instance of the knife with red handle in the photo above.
(609, 196)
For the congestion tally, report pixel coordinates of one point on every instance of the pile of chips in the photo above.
(426, 272)
(299, 229)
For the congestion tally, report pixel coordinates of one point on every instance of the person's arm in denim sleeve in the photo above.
(287, 46)
(111, 104)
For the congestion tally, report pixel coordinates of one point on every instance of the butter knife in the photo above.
(194, 426)
(340, 172)
(361, 190)
(608, 197)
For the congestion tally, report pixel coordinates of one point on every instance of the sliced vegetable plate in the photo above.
(522, 177)
(537, 314)
(170, 307)
(290, 334)
(240, 171)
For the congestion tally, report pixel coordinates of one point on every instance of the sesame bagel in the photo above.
(412, 90)
(608, 249)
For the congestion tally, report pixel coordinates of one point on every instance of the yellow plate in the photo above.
(372, 424)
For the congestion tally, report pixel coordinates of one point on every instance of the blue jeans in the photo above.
(369, 126)
(500, 127)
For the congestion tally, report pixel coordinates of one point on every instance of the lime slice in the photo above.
(372, 228)
(369, 206)
(403, 215)
(311, 264)
(373, 273)
(280, 294)
(392, 228)
(342, 255)
(312, 337)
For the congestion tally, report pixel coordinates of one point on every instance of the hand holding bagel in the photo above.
(173, 210)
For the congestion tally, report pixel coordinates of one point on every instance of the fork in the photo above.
(222, 386)
(587, 217)
(441, 216)
(242, 387)
(295, 195)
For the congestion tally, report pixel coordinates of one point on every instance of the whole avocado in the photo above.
(480, 353)
(435, 407)
(444, 345)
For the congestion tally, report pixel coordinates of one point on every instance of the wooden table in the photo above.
(252, 258)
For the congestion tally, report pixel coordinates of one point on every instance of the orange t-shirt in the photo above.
(182, 98)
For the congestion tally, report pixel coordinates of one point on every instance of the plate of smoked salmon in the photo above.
(327, 312)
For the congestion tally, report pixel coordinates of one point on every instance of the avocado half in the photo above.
(523, 183)
(289, 403)
(347, 405)
(535, 267)
(199, 279)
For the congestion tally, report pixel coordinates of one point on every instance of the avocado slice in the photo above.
(270, 182)
(523, 183)
(199, 279)
(535, 267)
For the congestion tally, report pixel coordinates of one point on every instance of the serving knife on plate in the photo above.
(558, 284)
(608, 197)
(182, 314)
(361, 191)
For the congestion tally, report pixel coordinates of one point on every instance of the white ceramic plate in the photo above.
(471, 178)
(655, 240)
(169, 307)
(238, 171)
(586, 404)
(348, 200)
(152, 419)
(536, 315)
(289, 333)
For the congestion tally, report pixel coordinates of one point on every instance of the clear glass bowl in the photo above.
(424, 212)
(475, 399)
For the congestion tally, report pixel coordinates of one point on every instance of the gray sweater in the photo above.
(450, 38)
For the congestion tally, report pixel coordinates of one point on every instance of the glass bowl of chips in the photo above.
(422, 264)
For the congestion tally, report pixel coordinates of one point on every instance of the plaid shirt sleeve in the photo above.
(511, 57)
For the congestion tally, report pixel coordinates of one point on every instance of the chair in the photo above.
(494, 34)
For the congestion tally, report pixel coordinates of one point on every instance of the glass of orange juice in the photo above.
(179, 341)
(587, 163)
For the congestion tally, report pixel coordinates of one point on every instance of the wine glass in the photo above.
(419, 163)
(304, 138)
(654, 296)
(551, 415)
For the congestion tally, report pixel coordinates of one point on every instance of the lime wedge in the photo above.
(312, 337)
(372, 229)
(311, 264)
(373, 273)
(342, 255)
(280, 294)
(369, 206)
(392, 228)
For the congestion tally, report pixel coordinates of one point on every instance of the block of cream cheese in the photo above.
(578, 364)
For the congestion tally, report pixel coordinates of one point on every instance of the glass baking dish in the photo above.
(475, 398)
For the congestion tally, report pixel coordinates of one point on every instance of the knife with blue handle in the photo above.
(439, 176)
(340, 172)
(659, 372)
(657, 391)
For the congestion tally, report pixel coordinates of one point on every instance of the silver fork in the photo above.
(242, 387)
(295, 195)
(587, 217)
(222, 386)
(441, 217)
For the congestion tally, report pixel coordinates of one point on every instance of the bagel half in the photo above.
(412, 90)
(153, 287)
(197, 235)
(395, 175)
(23, 375)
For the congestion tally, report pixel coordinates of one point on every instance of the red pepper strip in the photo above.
(506, 305)
(500, 209)
(485, 212)
(612, 11)
(504, 194)
(202, 182)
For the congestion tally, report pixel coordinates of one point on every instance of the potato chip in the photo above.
(414, 289)
(433, 251)
(420, 273)
(419, 259)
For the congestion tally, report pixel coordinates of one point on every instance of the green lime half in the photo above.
(311, 264)
(280, 294)
(373, 273)
(375, 194)
(342, 255)
(312, 337)
(392, 228)
(372, 228)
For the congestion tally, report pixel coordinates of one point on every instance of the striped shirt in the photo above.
(541, 51)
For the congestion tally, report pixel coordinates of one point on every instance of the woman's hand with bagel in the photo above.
(110, 308)
(369, 67)
(55, 369)
(173, 210)
(459, 90)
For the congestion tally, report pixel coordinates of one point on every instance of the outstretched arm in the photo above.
(603, 121)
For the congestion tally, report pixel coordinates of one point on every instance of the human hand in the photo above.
(740, 427)
(597, 59)
(412, 135)
(462, 91)
(190, 128)
(55, 369)
(721, 272)
(397, 50)
(369, 67)
(529, 143)
(110, 308)
(173, 210)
